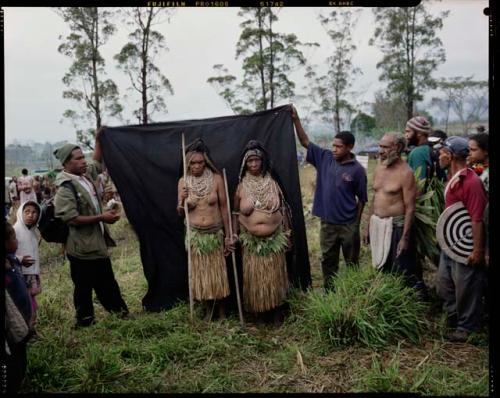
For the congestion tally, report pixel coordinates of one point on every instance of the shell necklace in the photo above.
(200, 186)
(263, 192)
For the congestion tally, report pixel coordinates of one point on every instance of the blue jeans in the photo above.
(461, 287)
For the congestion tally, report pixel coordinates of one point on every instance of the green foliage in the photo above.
(205, 243)
(389, 112)
(367, 307)
(466, 97)
(96, 96)
(136, 59)
(429, 206)
(167, 353)
(331, 90)
(268, 59)
(384, 378)
(363, 123)
(407, 36)
(426, 379)
(264, 246)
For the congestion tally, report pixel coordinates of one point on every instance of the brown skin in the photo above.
(11, 243)
(448, 160)
(414, 137)
(395, 190)
(301, 134)
(205, 212)
(341, 152)
(30, 217)
(36, 184)
(77, 165)
(256, 222)
(209, 210)
(476, 154)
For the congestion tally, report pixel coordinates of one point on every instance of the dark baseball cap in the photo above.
(458, 146)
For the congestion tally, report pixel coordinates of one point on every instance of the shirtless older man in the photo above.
(392, 211)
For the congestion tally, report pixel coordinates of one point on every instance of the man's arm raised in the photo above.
(97, 156)
(301, 134)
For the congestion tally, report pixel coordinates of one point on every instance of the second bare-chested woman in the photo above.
(264, 233)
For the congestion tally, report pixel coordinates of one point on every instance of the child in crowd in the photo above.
(18, 315)
(28, 216)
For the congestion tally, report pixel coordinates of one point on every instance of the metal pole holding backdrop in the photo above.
(188, 231)
(233, 256)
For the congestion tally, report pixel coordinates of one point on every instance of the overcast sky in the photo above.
(197, 39)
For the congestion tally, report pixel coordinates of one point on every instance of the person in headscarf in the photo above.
(28, 216)
(262, 217)
(204, 192)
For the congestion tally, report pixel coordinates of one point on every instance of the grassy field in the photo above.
(165, 352)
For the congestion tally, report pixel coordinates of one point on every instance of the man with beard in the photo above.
(392, 211)
(417, 133)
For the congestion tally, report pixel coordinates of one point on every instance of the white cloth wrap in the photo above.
(380, 239)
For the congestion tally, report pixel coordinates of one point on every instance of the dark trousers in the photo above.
(16, 364)
(332, 237)
(461, 288)
(97, 275)
(406, 264)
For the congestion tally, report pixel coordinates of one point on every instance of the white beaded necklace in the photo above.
(200, 186)
(262, 192)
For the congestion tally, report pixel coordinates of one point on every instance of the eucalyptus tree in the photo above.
(268, 58)
(412, 50)
(95, 95)
(331, 89)
(466, 97)
(137, 59)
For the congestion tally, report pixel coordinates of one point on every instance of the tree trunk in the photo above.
(271, 62)
(144, 69)
(261, 66)
(95, 45)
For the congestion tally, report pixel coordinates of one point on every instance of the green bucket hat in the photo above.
(63, 152)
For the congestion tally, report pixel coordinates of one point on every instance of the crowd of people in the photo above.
(259, 221)
(26, 198)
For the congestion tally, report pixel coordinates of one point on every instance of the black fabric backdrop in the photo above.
(144, 163)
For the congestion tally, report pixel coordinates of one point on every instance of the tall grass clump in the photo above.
(367, 307)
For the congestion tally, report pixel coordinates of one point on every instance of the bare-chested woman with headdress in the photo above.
(208, 221)
(262, 218)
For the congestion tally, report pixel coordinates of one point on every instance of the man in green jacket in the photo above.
(89, 238)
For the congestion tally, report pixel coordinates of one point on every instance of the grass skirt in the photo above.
(208, 266)
(265, 279)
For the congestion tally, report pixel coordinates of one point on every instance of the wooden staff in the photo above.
(188, 231)
(232, 253)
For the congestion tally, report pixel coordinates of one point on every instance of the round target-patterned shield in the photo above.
(454, 232)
